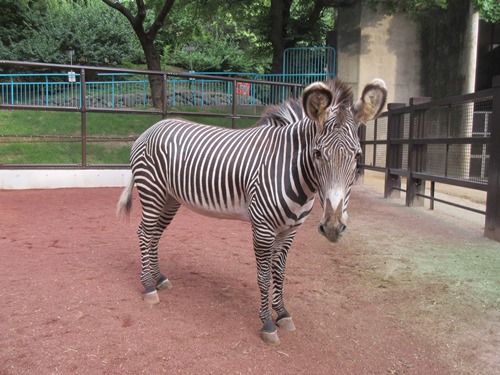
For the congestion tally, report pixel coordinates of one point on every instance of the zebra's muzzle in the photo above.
(333, 224)
(332, 234)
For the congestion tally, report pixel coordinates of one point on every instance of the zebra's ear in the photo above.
(316, 99)
(372, 101)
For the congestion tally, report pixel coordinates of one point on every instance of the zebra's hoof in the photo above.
(164, 285)
(270, 338)
(286, 324)
(151, 298)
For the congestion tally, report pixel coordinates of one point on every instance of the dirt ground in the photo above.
(407, 291)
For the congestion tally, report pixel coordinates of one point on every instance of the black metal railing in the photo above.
(452, 141)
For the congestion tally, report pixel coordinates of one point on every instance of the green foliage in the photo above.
(12, 21)
(220, 42)
(489, 10)
(228, 35)
(315, 36)
(52, 28)
(219, 53)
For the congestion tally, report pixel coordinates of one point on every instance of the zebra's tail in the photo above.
(125, 201)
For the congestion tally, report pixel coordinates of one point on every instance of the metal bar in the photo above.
(453, 204)
(483, 186)
(164, 111)
(394, 152)
(233, 114)
(492, 222)
(477, 96)
(371, 168)
(84, 117)
(46, 91)
(433, 186)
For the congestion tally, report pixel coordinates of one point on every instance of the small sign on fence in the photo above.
(71, 76)
(243, 88)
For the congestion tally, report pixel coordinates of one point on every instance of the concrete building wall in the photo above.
(374, 45)
(435, 56)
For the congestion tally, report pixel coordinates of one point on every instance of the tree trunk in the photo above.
(147, 40)
(153, 62)
(279, 14)
(280, 22)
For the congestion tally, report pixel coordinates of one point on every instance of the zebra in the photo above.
(268, 175)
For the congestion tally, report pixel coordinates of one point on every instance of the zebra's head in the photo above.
(336, 147)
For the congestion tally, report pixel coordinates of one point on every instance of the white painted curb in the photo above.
(16, 179)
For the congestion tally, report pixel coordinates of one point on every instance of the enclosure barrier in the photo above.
(452, 141)
(84, 125)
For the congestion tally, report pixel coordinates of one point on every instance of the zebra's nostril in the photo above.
(321, 229)
(342, 228)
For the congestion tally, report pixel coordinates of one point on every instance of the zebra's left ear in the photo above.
(372, 101)
(316, 99)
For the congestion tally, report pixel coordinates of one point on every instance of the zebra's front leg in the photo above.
(268, 333)
(282, 245)
(263, 247)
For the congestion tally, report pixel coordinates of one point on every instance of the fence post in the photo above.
(360, 171)
(233, 107)
(164, 112)
(416, 154)
(394, 153)
(83, 111)
(492, 221)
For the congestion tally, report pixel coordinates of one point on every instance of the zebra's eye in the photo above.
(317, 154)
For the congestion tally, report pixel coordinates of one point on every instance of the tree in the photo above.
(147, 32)
(261, 28)
(203, 37)
(51, 28)
(12, 21)
(289, 23)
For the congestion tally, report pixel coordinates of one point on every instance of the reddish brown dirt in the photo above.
(405, 292)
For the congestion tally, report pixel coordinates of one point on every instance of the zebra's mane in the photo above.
(291, 111)
(282, 115)
(342, 93)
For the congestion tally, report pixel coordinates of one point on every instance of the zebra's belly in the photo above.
(230, 213)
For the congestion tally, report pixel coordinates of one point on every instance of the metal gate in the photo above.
(309, 64)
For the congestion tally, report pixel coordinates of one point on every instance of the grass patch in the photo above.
(39, 131)
(40, 153)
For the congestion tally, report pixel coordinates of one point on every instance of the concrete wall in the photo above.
(371, 45)
(434, 56)
(448, 40)
(53, 179)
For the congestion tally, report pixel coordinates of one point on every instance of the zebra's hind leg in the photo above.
(166, 217)
(282, 245)
(153, 223)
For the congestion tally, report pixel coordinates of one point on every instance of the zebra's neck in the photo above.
(299, 139)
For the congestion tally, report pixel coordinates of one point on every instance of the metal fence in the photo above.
(452, 141)
(46, 123)
(125, 90)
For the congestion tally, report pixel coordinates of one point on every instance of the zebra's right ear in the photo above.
(372, 101)
(316, 99)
